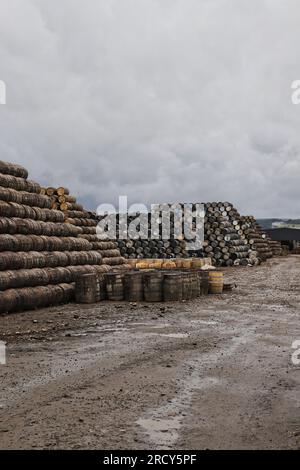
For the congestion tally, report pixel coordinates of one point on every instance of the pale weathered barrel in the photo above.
(62, 191)
(216, 282)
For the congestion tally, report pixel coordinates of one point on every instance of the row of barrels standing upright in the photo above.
(150, 286)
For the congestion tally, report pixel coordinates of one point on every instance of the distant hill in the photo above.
(268, 223)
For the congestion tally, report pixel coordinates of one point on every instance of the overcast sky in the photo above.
(161, 100)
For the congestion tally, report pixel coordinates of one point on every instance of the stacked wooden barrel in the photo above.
(86, 222)
(159, 248)
(275, 247)
(216, 282)
(226, 239)
(87, 288)
(148, 285)
(133, 286)
(40, 255)
(257, 238)
(153, 249)
(60, 199)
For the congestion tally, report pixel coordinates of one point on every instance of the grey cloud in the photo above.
(161, 100)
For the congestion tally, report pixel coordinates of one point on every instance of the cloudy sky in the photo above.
(161, 100)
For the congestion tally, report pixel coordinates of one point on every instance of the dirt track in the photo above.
(212, 373)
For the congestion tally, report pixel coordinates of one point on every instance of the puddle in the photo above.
(166, 421)
(161, 325)
(162, 430)
(173, 335)
(167, 335)
(162, 425)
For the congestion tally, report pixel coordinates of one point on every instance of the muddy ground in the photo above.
(215, 373)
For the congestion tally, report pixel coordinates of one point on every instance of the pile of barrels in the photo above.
(275, 247)
(225, 241)
(148, 286)
(61, 200)
(154, 249)
(152, 244)
(40, 254)
(228, 239)
(48, 242)
(86, 223)
(257, 238)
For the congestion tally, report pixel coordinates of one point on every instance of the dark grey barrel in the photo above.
(87, 289)
(133, 287)
(114, 286)
(172, 287)
(153, 291)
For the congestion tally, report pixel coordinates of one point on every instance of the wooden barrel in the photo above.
(114, 286)
(83, 257)
(178, 263)
(216, 282)
(113, 261)
(33, 259)
(23, 197)
(87, 289)
(142, 264)
(172, 287)
(207, 261)
(198, 273)
(13, 300)
(62, 191)
(19, 184)
(13, 169)
(153, 291)
(50, 191)
(102, 295)
(204, 282)
(110, 253)
(194, 284)
(196, 263)
(132, 263)
(12, 209)
(186, 286)
(59, 274)
(133, 286)
(55, 259)
(20, 242)
(155, 264)
(168, 265)
(186, 264)
(72, 206)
